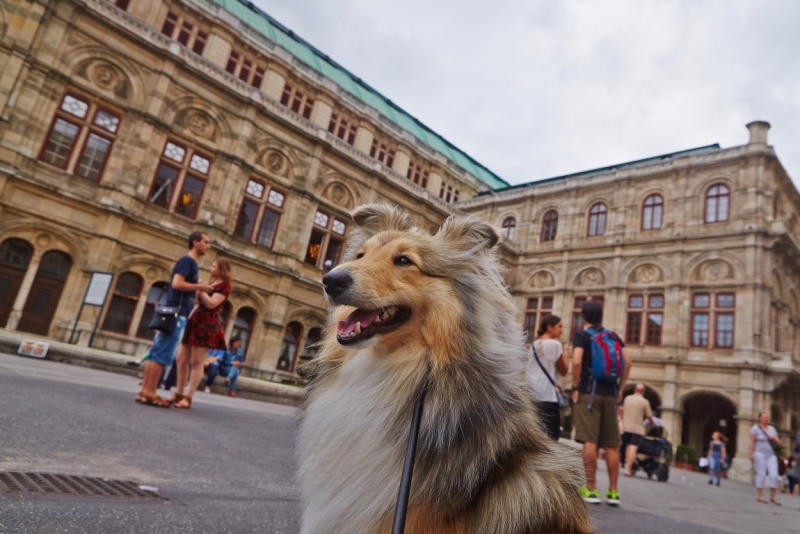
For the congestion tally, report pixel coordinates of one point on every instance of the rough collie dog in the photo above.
(416, 311)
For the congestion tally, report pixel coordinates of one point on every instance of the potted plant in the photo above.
(685, 457)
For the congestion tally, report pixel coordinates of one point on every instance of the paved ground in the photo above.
(227, 465)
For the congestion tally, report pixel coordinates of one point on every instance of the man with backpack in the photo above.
(600, 367)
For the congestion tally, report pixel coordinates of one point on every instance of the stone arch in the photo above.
(340, 193)
(698, 194)
(243, 297)
(152, 269)
(277, 158)
(652, 271)
(45, 236)
(692, 267)
(308, 317)
(198, 120)
(651, 190)
(595, 199)
(713, 270)
(540, 211)
(706, 411)
(590, 277)
(542, 279)
(110, 74)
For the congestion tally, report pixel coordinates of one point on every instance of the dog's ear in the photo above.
(381, 217)
(371, 219)
(468, 233)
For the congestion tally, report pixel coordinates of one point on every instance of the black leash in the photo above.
(401, 509)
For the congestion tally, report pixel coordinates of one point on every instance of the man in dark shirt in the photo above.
(598, 424)
(181, 293)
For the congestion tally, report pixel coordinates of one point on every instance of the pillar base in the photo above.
(741, 470)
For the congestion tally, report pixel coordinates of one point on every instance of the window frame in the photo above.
(543, 237)
(115, 294)
(713, 311)
(509, 228)
(184, 171)
(343, 123)
(328, 235)
(707, 197)
(576, 317)
(86, 127)
(263, 205)
(290, 95)
(381, 150)
(195, 32)
(538, 311)
(417, 174)
(603, 213)
(655, 205)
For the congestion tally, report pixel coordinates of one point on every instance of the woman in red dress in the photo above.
(204, 331)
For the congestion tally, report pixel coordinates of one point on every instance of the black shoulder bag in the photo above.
(563, 401)
(165, 318)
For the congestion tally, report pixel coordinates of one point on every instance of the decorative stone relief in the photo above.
(275, 162)
(199, 124)
(715, 270)
(339, 195)
(592, 277)
(104, 76)
(44, 240)
(151, 273)
(542, 279)
(647, 274)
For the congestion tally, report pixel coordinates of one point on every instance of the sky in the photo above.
(537, 88)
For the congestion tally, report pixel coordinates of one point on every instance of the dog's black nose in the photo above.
(337, 282)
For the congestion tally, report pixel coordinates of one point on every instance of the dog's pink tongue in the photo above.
(365, 317)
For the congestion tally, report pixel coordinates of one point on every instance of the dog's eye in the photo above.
(359, 255)
(403, 260)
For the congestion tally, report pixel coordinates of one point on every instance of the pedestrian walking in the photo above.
(180, 294)
(546, 358)
(717, 456)
(204, 331)
(635, 410)
(236, 357)
(600, 367)
(763, 439)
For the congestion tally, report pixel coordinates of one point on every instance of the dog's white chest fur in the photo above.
(349, 470)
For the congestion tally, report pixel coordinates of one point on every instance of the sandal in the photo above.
(185, 403)
(177, 398)
(141, 399)
(776, 503)
(156, 401)
(764, 501)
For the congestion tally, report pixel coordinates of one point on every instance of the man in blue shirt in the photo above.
(218, 362)
(236, 355)
(181, 293)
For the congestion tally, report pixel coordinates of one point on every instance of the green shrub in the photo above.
(686, 454)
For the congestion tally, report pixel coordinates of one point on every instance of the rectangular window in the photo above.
(244, 71)
(233, 62)
(724, 331)
(258, 206)
(258, 77)
(200, 43)
(185, 33)
(72, 127)
(577, 318)
(170, 23)
(654, 323)
(536, 310)
(700, 329)
(633, 330)
(326, 242)
(341, 128)
(188, 34)
(184, 170)
(122, 4)
(417, 175)
(382, 153)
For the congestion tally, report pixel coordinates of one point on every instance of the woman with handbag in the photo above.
(763, 440)
(547, 357)
(204, 331)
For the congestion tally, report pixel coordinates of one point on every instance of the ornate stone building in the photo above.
(126, 125)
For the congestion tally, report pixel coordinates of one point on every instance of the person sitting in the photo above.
(236, 355)
(217, 362)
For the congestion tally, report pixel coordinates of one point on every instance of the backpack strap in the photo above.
(535, 355)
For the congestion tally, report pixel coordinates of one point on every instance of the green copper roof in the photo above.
(279, 34)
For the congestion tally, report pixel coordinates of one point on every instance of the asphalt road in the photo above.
(227, 465)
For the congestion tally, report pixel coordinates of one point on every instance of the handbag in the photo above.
(563, 401)
(164, 319)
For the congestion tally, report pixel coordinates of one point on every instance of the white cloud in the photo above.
(534, 89)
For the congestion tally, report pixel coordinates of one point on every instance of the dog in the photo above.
(413, 312)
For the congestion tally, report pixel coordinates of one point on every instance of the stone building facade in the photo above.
(126, 125)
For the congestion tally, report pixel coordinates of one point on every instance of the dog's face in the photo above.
(398, 280)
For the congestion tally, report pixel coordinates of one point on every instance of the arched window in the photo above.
(718, 200)
(15, 256)
(509, 228)
(158, 292)
(243, 326)
(45, 293)
(123, 303)
(597, 219)
(652, 212)
(310, 348)
(549, 225)
(290, 346)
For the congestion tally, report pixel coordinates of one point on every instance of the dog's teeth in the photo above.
(358, 328)
(377, 319)
(384, 315)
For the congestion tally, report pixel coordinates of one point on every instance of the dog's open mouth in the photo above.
(363, 324)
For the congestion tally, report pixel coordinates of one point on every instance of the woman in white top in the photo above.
(762, 436)
(553, 358)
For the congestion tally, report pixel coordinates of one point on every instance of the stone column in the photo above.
(24, 291)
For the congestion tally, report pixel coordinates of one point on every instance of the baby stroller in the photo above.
(655, 452)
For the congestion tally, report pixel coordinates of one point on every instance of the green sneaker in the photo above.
(590, 496)
(612, 497)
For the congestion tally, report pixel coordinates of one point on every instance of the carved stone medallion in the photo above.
(199, 124)
(592, 277)
(275, 162)
(542, 279)
(715, 270)
(105, 76)
(647, 274)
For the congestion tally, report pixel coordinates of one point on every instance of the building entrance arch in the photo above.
(15, 257)
(705, 413)
(45, 293)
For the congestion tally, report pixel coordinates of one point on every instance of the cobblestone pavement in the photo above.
(227, 465)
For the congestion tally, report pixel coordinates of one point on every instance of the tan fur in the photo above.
(484, 466)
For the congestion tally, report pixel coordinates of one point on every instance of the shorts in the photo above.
(165, 346)
(632, 439)
(598, 424)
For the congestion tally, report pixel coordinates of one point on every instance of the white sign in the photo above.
(37, 349)
(98, 289)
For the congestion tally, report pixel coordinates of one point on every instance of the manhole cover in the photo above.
(17, 484)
